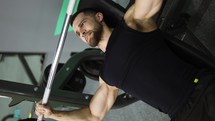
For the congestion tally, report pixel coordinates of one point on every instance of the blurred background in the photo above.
(29, 34)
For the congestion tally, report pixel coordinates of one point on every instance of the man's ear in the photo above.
(99, 16)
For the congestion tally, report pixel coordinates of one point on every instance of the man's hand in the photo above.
(43, 110)
(100, 104)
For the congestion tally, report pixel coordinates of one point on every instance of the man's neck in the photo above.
(105, 38)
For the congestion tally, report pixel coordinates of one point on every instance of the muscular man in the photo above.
(137, 60)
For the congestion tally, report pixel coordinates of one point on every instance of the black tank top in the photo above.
(142, 65)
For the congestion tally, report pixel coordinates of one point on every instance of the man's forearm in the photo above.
(83, 114)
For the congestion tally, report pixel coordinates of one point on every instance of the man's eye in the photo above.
(78, 34)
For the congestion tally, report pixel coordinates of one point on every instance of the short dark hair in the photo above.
(109, 18)
(87, 11)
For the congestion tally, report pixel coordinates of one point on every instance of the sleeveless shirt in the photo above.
(141, 64)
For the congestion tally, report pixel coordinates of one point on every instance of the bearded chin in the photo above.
(97, 36)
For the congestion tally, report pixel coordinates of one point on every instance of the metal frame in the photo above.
(21, 57)
(24, 92)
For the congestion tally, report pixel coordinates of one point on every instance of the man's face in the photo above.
(88, 28)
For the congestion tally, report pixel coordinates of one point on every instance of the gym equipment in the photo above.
(29, 119)
(25, 92)
(20, 92)
(76, 82)
(58, 53)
